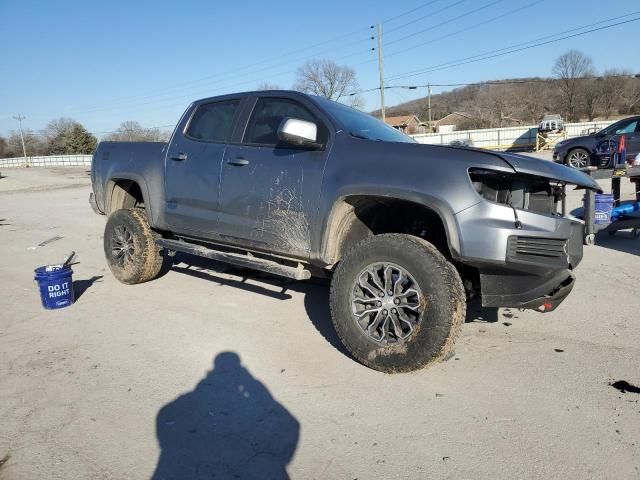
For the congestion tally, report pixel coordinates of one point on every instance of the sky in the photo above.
(103, 63)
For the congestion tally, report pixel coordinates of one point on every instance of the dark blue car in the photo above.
(592, 150)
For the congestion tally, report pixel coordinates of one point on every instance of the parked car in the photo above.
(585, 151)
(465, 142)
(298, 185)
(551, 123)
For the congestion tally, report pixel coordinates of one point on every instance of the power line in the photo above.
(409, 11)
(467, 28)
(431, 14)
(181, 85)
(514, 48)
(227, 78)
(457, 17)
(222, 78)
(227, 75)
(207, 91)
(463, 30)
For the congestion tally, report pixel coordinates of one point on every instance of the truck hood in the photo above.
(548, 169)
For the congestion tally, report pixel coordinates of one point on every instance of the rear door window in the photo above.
(621, 127)
(268, 115)
(213, 122)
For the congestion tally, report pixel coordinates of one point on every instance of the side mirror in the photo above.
(298, 132)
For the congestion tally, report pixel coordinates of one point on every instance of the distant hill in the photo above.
(524, 101)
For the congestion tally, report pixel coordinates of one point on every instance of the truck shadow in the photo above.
(477, 313)
(315, 291)
(622, 241)
(228, 426)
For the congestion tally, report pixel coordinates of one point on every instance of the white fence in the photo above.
(510, 138)
(50, 161)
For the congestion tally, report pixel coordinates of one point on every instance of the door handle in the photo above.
(238, 162)
(179, 157)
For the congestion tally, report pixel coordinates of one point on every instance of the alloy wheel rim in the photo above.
(386, 303)
(578, 159)
(122, 247)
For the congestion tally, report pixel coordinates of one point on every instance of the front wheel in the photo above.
(129, 246)
(578, 158)
(397, 304)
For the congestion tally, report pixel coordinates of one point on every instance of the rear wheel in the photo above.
(397, 304)
(129, 247)
(578, 158)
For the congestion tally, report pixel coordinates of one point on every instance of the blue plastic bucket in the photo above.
(603, 207)
(56, 286)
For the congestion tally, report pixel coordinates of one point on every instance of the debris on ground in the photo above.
(625, 387)
(4, 460)
(47, 241)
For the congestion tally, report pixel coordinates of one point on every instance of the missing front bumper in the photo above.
(531, 294)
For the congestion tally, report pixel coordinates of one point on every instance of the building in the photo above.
(408, 124)
(451, 122)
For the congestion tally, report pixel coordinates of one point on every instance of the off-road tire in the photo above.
(443, 303)
(146, 260)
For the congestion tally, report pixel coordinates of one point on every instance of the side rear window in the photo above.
(213, 122)
(269, 113)
(628, 127)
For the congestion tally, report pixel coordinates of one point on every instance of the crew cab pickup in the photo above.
(298, 185)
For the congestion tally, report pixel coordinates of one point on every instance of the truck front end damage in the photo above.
(519, 237)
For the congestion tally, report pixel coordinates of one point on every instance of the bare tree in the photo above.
(613, 87)
(34, 144)
(4, 148)
(268, 86)
(591, 92)
(326, 78)
(632, 96)
(130, 131)
(569, 69)
(59, 126)
(533, 101)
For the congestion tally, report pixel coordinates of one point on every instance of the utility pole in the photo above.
(19, 118)
(381, 69)
(429, 104)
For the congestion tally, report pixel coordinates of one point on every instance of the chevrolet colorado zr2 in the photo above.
(298, 185)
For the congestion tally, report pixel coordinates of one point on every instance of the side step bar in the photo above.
(254, 263)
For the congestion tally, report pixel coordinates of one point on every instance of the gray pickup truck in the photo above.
(300, 186)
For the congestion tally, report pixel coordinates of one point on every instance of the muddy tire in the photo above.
(397, 304)
(129, 246)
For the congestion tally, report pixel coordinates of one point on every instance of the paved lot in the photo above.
(123, 383)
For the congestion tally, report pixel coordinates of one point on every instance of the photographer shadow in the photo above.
(229, 426)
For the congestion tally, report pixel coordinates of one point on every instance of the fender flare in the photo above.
(132, 177)
(340, 209)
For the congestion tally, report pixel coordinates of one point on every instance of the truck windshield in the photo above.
(362, 125)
